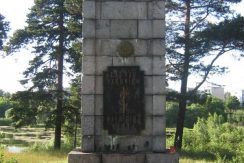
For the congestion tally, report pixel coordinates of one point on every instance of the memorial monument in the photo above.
(123, 83)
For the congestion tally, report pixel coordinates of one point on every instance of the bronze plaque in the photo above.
(123, 100)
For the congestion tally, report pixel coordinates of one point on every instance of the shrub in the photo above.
(5, 122)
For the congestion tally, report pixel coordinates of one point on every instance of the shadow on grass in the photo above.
(220, 153)
(198, 155)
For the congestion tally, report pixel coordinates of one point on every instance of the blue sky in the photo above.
(11, 67)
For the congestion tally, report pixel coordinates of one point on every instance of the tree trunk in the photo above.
(184, 79)
(59, 109)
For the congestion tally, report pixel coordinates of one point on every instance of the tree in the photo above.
(51, 31)
(4, 28)
(187, 49)
(215, 105)
(232, 103)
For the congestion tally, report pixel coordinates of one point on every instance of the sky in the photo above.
(12, 67)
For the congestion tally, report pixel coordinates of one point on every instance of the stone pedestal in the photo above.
(80, 157)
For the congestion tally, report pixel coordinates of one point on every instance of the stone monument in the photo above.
(123, 83)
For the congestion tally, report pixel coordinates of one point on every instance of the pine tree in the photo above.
(51, 31)
(4, 28)
(187, 49)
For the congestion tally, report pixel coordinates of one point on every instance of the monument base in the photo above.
(80, 157)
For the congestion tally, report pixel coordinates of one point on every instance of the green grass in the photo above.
(36, 157)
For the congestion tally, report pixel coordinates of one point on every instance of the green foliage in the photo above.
(236, 117)
(223, 140)
(193, 112)
(2, 160)
(215, 105)
(5, 104)
(232, 103)
(4, 28)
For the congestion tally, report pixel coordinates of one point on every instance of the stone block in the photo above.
(159, 144)
(102, 141)
(158, 28)
(88, 47)
(103, 47)
(145, 64)
(80, 157)
(159, 66)
(156, 10)
(157, 47)
(149, 104)
(123, 158)
(145, 29)
(99, 105)
(88, 8)
(159, 125)
(148, 85)
(98, 9)
(162, 158)
(159, 84)
(87, 143)
(148, 126)
(87, 125)
(159, 102)
(140, 47)
(88, 65)
(88, 85)
(102, 62)
(124, 10)
(119, 61)
(123, 29)
(98, 125)
(87, 105)
(99, 85)
(102, 28)
(88, 30)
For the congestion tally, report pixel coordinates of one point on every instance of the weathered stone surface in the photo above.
(149, 104)
(124, 10)
(99, 104)
(123, 29)
(103, 47)
(99, 85)
(88, 47)
(119, 61)
(145, 64)
(88, 85)
(159, 83)
(157, 48)
(123, 158)
(102, 62)
(98, 125)
(159, 125)
(102, 28)
(87, 102)
(88, 65)
(156, 10)
(145, 29)
(87, 144)
(80, 157)
(159, 102)
(148, 85)
(89, 9)
(87, 124)
(148, 126)
(159, 66)
(88, 29)
(140, 46)
(159, 144)
(158, 28)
